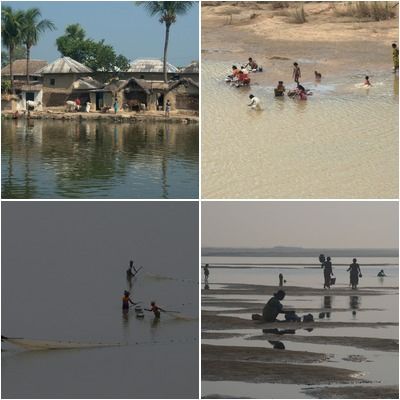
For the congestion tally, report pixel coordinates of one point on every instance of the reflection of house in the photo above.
(183, 95)
(19, 70)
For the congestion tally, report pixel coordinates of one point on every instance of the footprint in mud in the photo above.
(356, 358)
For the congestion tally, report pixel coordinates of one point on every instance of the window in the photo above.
(52, 81)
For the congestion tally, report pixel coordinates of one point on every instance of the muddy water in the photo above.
(55, 159)
(340, 143)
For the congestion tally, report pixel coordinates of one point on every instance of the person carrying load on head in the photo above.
(327, 266)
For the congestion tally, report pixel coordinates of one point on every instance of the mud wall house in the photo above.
(135, 92)
(58, 79)
(86, 90)
(183, 95)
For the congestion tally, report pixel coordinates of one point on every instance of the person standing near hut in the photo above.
(355, 273)
(115, 105)
(167, 108)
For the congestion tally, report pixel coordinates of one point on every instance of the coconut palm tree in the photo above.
(167, 12)
(32, 28)
(11, 28)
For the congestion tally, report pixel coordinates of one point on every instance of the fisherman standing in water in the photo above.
(129, 271)
(155, 310)
(126, 300)
(206, 273)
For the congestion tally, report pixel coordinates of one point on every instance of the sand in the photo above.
(326, 42)
(355, 392)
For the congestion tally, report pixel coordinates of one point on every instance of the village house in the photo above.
(142, 88)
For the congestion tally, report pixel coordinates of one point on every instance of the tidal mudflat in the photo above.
(350, 350)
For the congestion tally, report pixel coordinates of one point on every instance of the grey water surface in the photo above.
(63, 276)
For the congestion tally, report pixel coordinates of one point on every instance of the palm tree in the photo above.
(11, 28)
(32, 28)
(167, 12)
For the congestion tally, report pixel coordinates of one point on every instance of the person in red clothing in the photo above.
(78, 104)
(155, 309)
(243, 79)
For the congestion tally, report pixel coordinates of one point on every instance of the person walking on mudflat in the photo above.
(355, 273)
(327, 266)
(296, 72)
(395, 57)
(206, 273)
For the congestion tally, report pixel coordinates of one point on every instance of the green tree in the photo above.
(32, 28)
(19, 54)
(11, 28)
(167, 12)
(96, 55)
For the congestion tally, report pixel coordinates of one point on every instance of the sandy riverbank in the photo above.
(120, 117)
(327, 42)
(229, 356)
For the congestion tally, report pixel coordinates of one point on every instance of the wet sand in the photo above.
(355, 392)
(268, 365)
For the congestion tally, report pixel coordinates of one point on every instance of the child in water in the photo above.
(280, 89)
(367, 82)
(296, 72)
(155, 309)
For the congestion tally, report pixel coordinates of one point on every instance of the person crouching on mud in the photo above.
(274, 307)
(155, 309)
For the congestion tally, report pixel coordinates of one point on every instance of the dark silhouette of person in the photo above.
(355, 273)
(327, 266)
(280, 280)
(274, 307)
(206, 273)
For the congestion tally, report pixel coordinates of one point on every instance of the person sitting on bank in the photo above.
(273, 307)
(280, 89)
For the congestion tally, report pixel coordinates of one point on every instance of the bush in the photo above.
(5, 86)
(375, 10)
(298, 16)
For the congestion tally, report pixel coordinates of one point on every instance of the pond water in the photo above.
(71, 159)
(340, 143)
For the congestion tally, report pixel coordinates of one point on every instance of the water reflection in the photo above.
(50, 159)
(327, 304)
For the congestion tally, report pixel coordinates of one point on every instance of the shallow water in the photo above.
(63, 276)
(299, 275)
(340, 143)
(71, 159)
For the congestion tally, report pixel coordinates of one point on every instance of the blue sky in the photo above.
(122, 24)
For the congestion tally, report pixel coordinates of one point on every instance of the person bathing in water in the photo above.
(255, 103)
(280, 89)
(318, 76)
(252, 64)
(381, 273)
(367, 82)
(155, 310)
(243, 79)
(234, 74)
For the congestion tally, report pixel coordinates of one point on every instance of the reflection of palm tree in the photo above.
(167, 12)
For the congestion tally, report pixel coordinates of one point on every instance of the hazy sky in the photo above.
(306, 224)
(161, 236)
(125, 26)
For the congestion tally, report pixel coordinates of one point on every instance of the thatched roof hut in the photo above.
(192, 68)
(19, 68)
(65, 65)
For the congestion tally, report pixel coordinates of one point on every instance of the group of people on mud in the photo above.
(127, 301)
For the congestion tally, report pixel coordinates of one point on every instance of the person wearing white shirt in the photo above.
(255, 103)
